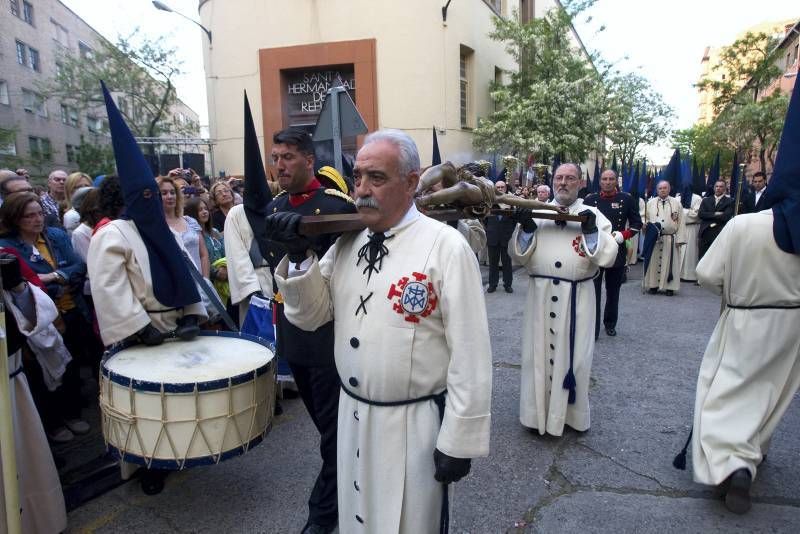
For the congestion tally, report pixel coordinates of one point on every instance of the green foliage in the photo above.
(554, 102)
(95, 159)
(139, 73)
(7, 137)
(637, 115)
(703, 142)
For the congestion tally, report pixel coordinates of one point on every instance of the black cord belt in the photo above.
(766, 307)
(165, 310)
(15, 372)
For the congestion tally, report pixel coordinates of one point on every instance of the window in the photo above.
(60, 33)
(85, 50)
(73, 117)
(72, 154)
(9, 149)
(94, 124)
(69, 115)
(4, 93)
(15, 8)
(122, 103)
(498, 80)
(465, 61)
(33, 59)
(28, 56)
(525, 11)
(22, 53)
(27, 12)
(34, 103)
(59, 69)
(40, 148)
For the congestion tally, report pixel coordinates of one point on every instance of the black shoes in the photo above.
(611, 331)
(152, 480)
(509, 290)
(670, 293)
(313, 528)
(737, 499)
(491, 289)
(653, 290)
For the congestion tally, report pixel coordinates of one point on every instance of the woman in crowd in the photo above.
(187, 227)
(222, 195)
(75, 181)
(49, 253)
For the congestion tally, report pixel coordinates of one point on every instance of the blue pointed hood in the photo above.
(686, 184)
(595, 184)
(713, 176)
(672, 173)
(256, 191)
(783, 190)
(172, 283)
(436, 158)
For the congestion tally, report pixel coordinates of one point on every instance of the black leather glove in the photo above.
(449, 469)
(589, 226)
(187, 328)
(283, 228)
(9, 270)
(149, 335)
(524, 217)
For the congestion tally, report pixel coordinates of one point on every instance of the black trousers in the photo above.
(613, 278)
(707, 239)
(496, 255)
(319, 389)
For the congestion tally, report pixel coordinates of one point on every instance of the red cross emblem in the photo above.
(413, 298)
(576, 246)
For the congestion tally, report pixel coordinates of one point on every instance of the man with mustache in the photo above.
(309, 353)
(561, 258)
(412, 345)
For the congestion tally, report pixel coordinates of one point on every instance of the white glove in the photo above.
(618, 237)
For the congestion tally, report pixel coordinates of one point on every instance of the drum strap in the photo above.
(439, 400)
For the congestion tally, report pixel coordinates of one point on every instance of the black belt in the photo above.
(15, 373)
(439, 399)
(165, 310)
(569, 380)
(791, 307)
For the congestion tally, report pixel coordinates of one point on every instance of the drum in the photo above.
(183, 404)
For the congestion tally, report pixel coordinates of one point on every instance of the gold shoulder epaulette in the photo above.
(337, 193)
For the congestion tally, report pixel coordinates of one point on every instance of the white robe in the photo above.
(555, 256)
(384, 353)
(40, 495)
(244, 278)
(666, 249)
(691, 233)
(751, 368)
(122, 287)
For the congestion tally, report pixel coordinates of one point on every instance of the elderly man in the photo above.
(623, 211)
(714, 212)
(561, 258)
(543, 193)
(498, 231)
(56, 193)
(664, 270)
(412, 345)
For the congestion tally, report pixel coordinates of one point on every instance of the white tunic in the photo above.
(40, 495)
(421, 329)
(666, 249)
(555, 257)
(244, 278)
(122, 287)
(751, 368)
(691, 230)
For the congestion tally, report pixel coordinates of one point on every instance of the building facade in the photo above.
(33, 35)
(409, 65)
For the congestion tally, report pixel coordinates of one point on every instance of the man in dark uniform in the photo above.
(755, 200)
(715, 211)
(623, 212)
(498, 231)
(309, 354)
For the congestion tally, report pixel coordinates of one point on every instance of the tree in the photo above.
(755, 127)
(637, 114)
(95, 159)
(703, 142)
(555, 101)
(139, 73)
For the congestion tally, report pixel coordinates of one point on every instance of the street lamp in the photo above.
(164, 7)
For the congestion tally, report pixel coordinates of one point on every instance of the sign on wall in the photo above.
(306, 89)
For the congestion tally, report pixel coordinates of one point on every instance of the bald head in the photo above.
(662, 188)
(501, 187)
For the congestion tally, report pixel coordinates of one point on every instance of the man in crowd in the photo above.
(309, 353)
(755, 201)
(749, 376)
(412, 345)
(543, 193)
(623, 212)
(715, 211)
(11, 182)
(56, 193)
(561, 258)
(498, 232)
(664, 269)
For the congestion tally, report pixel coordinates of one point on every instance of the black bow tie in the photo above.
(562, 224)
(373, 253)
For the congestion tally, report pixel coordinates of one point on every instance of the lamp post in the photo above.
(164, 7)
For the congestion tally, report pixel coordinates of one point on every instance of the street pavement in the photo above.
(616, 477)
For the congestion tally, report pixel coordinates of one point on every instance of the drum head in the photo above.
(205, 359)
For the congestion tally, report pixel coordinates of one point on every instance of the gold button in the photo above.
(316, 211)
(274, 210)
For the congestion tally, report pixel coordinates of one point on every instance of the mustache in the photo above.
(367, 202)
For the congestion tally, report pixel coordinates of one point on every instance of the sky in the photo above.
(663, 40)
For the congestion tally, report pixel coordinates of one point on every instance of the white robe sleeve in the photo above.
(711, 270)
(307, 301)
(242, 277)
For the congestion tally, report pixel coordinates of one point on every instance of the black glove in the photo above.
(9, 270)
(589, 226)
(149, 335)
(449, 469)
(524, 217)
(282, 227)
(187, 328)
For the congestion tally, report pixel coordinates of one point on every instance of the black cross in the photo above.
(363, 306)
